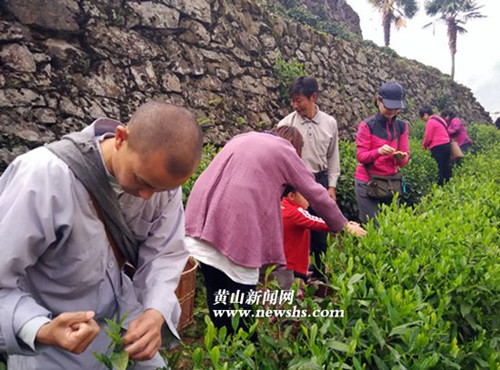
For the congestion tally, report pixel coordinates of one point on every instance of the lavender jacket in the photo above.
(235, 204)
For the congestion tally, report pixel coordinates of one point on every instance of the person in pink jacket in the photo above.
(437, 140)
(456, 130)
(381, 145)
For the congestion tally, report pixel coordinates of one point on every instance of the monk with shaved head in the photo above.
(75, 213)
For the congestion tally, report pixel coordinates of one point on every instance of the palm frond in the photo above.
(400, 22)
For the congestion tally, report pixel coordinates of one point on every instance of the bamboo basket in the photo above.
(185, 293)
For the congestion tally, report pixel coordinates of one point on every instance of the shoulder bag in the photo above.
(384, 188)
(456, 153)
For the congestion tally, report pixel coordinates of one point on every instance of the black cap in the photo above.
(392, 94)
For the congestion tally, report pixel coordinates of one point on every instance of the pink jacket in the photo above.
(457, 132)
(374, 133)
(435, 132)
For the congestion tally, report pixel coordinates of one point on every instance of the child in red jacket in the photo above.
(297, 223)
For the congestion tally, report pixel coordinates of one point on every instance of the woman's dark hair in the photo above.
(426, 110)
(376, 100)
(303, 85)
(292, 135)
(448, 113)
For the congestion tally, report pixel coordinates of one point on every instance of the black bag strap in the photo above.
(441, 121)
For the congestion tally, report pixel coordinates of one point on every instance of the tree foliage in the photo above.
(394, 11)
(455, 13)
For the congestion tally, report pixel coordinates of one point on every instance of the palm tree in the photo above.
(455, 13)
(394, 11)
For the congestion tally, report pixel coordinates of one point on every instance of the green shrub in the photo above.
(303, 15)
(337, 29)
(419, 173)
(298, 11)
(209, 152)
(346, 197)
(442, 100)
(483, 136)
(417, 130)
(286, 73)
(389, 51)
(420, 292)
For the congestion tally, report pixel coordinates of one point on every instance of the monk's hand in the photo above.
(143, 337)
(72, 331)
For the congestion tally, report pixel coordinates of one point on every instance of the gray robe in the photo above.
(55, 257)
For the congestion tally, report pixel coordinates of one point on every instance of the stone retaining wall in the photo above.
(64, 63)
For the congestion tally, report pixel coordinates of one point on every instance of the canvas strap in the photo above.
(441, 121)
(123, 264)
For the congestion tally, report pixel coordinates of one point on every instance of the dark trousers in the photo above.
(466, 147)
(216, 282)
(441, 154)
(298, 275)
(318, 239)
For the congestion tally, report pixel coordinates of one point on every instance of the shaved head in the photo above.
(170, 130)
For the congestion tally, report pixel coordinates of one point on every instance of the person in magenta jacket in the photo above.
(381, 145)
(456, 130)
(437, 140)
(233, 214)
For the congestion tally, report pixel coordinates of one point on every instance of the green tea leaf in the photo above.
(337, 346)
(215, 355)
(119, 360)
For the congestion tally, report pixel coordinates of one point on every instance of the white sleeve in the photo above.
(333, 157)
(29, 330)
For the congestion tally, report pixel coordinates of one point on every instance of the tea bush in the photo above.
(346, 198)
(422, 291)
(209, 152)
(419, 173)
(483, 136)
(417, 130)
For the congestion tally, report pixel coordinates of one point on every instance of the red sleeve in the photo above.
(365, 155)
(301, 218)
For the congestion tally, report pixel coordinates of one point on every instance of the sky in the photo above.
(477, 62)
